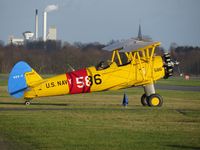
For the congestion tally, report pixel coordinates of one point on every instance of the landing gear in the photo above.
(144, 100)
(27, 102)
(154, 100)
(149, 98)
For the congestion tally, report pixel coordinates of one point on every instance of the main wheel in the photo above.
(155, 100)
(144, 100)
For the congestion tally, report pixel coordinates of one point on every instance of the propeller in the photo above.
(169, 65)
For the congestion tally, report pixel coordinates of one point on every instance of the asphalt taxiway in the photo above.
(178, 88)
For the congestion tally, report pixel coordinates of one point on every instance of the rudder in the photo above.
(19, 79)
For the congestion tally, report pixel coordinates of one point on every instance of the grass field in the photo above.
(98, 121)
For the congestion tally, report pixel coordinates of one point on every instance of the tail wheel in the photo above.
(144, 100)
(155, 100)
(27, 103)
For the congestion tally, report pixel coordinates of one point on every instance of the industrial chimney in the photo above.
(36, 24)
(45, 26)
(48, 9)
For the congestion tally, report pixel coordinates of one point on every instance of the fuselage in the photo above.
(92, 79)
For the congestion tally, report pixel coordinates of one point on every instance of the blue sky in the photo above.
(103, 20)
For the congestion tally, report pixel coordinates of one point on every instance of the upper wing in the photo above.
(129, 45)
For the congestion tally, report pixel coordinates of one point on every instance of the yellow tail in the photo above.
(33, 78)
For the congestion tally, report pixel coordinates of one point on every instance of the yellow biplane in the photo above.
(133, 63)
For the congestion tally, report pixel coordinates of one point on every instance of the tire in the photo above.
(155, 100)
(144, 100)
(27, 103)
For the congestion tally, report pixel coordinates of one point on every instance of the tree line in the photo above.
(189, 58)
(49, 61)
(52, 58)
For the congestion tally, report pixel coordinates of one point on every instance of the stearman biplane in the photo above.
(133, 63)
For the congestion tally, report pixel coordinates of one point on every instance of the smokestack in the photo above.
(36, 24)
(45, 27)
(48, 9)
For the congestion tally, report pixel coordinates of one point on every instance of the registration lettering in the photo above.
(158, 69)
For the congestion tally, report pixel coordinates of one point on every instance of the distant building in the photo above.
(28, 35)
(52, 34)
(141, 37)
(16, 41)
(139, 33)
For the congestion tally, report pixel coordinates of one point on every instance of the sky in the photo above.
(101, 21)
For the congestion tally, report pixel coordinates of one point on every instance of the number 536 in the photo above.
(88, 80)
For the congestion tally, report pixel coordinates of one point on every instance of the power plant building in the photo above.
(16, 41)
(52, 34)
(29, 36)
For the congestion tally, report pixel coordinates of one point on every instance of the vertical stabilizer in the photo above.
(21, 77)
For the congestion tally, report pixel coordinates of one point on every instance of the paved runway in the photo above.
(178, 88)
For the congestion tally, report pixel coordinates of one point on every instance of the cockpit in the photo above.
(129, 51)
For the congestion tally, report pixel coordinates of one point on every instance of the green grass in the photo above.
(98, 121)
(100, 129)
(3, 79)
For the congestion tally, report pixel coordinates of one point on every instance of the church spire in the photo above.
(139, 33)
